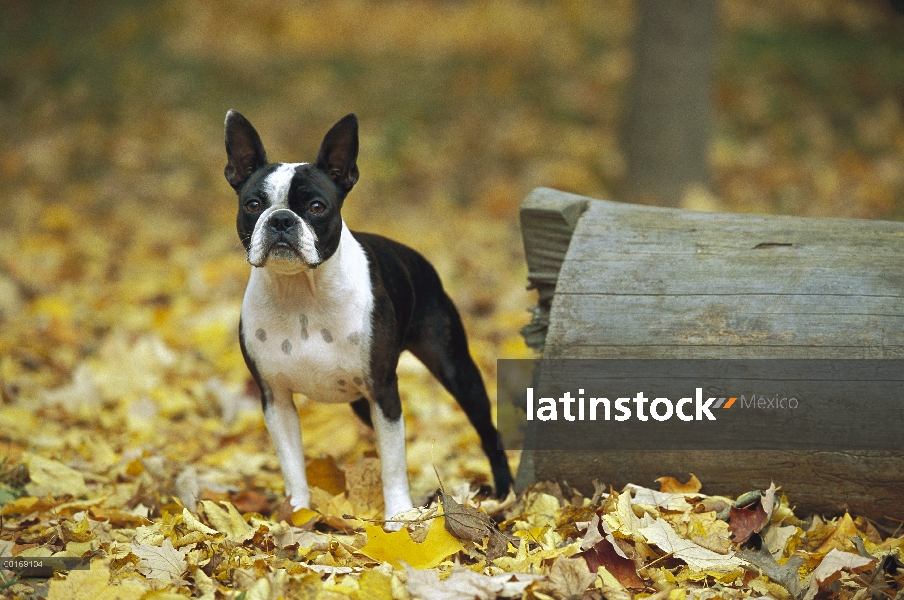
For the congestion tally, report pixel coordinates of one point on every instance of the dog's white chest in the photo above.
(312, 334)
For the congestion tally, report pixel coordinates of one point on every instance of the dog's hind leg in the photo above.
(441, 344)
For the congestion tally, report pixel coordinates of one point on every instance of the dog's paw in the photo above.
(397, 506)
(299, 501)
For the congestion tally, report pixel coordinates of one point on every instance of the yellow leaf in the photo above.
(18, 422)
(374, 586)
(540, 509)
(397, 547)
(678, 593)
(839, 539)
(673, 486)
(608, 580)
(94, 584)
(135, 467)
(38, 551)
(303, 516)
(326, 474)
(20, 506)
(79, 548)
(525, 562)
(227, 521)
(261, 590)
(52, 477)
(194, 524)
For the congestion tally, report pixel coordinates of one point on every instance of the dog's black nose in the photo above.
(282, 222)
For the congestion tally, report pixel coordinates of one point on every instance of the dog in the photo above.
(327, 311)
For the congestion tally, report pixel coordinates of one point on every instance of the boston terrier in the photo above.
(328, 311)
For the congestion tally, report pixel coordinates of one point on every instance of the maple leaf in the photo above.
(623, 519)
(163, 563)
(397, 547)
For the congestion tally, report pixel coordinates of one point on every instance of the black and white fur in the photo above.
(328, 311)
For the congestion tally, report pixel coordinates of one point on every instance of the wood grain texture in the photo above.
(648, 282)
(548, 219)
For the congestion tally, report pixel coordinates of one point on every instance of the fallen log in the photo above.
(623, 281)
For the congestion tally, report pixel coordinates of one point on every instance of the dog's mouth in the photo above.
(283, 251)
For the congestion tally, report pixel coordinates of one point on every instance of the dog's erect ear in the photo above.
(338, 154)
(243, 149)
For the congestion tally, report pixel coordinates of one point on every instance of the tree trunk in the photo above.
(669, 118)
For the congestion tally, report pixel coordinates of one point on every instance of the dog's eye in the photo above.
(316, 207)
(253, 205)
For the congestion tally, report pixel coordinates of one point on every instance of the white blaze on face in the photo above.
(277, 185)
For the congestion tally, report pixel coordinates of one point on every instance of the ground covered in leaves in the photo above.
(129, 432)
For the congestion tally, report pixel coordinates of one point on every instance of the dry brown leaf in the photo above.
(605, 554)
(745, 521)
(250, 501)
(464, 522)
(365, 486)
(470, 524)
(568, 578)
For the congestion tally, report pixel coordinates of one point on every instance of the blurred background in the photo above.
(117, 227)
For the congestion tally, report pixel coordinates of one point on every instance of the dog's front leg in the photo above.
(391, 446)
(282, 421)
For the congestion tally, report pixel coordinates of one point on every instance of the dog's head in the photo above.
(289, 213)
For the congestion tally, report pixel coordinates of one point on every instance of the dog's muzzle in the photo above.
(283, 236)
